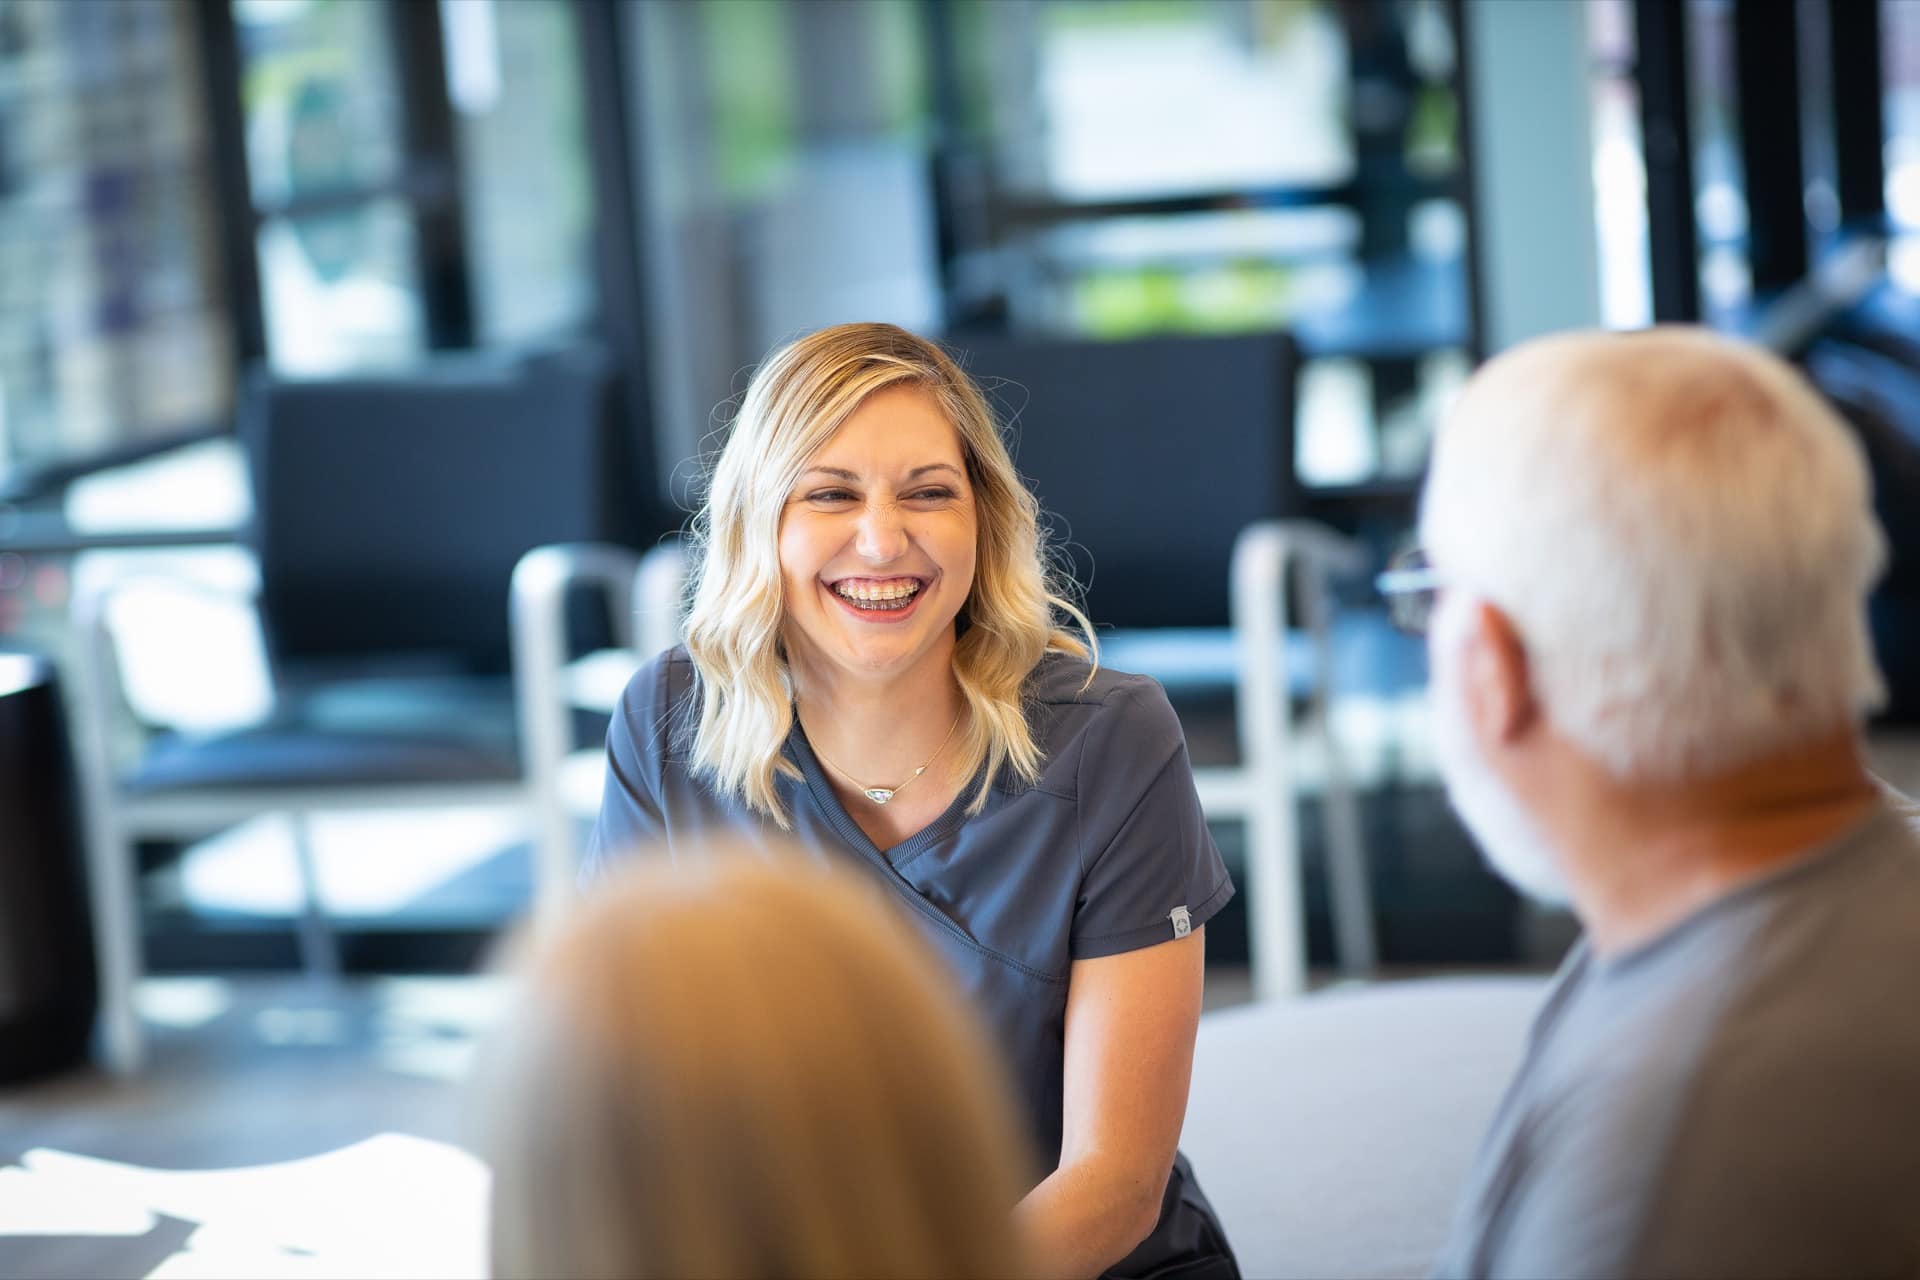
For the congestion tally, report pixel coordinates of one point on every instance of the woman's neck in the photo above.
(878, 731)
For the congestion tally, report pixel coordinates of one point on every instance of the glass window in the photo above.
(1190, 166)
(112, 323)
(339, 264)
(1113, 170)
(1619, 168)
(497, 182)
(341, 288)
(1106, 74)
(1720, 202)
(513, 76)
(788, 152)
(319, 87)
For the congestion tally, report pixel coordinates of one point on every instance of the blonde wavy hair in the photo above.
(737, 1066)
(795, 402)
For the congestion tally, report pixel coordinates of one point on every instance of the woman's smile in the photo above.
(879, 600)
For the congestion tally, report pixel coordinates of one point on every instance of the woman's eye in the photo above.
(830, 495)
(937, 494)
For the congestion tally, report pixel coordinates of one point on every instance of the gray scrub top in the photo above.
(1107, 851)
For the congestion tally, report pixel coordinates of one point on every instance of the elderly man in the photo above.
(1648, 563)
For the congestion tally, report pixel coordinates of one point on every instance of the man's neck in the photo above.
(1642, 857)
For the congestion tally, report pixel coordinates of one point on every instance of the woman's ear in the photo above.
(1498, 678)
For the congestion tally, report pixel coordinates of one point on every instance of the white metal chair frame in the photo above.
(116, 820)
(1260, 790)
(643, 600)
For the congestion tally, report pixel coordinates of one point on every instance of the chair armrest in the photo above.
(537, 609)
(537, 615)
(1263, 556)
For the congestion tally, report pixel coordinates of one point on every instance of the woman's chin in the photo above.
(890, 654)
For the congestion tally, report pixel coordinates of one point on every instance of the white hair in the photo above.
(1681, 532)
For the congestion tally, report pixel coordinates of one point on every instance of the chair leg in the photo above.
(319, 945)
(113, 890)
(1277, 935)
(1348, 881)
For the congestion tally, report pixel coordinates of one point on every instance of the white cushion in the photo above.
(1332, 1133)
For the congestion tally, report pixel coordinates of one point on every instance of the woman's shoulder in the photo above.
(660, 681)
(1063, 680)
(658, 699)
(1085, 715)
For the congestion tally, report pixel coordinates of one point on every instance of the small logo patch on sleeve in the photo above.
(1182, 921)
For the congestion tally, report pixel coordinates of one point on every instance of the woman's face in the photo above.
(877, 543)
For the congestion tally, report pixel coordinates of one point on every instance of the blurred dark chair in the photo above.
(389, 514)
(1167, 468)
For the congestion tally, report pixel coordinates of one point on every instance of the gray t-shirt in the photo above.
(1738, 1097)
(1106, 852)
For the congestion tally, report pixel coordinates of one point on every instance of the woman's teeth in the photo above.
(878, 595)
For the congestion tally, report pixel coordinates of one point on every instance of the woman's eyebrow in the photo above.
(841, 473)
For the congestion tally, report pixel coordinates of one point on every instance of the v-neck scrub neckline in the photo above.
(1106, 851)
(851, 831)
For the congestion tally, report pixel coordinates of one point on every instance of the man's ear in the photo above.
(1498, 678)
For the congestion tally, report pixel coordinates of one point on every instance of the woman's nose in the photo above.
(881, 535)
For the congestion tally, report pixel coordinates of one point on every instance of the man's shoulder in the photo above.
(1824, 932)
(1742, 1069)
(1822, 981)
(1806, 1076)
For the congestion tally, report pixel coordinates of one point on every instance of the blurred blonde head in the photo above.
(796, 401)
(1680, 530)
(745, 1067)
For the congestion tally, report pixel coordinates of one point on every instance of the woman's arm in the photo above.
(1131, 1020)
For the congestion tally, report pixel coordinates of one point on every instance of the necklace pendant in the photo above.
(879, 795)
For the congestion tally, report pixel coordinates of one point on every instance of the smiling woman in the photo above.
(879, 661)
(863, 456)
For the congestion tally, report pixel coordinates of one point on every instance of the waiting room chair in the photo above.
(389, 513)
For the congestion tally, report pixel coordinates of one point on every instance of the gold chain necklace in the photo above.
(880, 795)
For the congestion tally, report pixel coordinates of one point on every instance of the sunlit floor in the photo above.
(245, 1074)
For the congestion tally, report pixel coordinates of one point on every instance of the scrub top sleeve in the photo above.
(1150, 871)
(630, 814)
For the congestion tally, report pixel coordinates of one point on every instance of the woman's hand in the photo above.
(1131, 1020)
